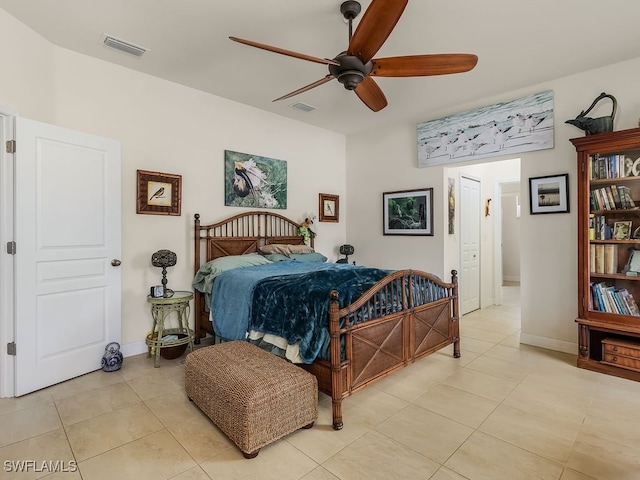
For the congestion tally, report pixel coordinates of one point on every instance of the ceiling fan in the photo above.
(355, 67)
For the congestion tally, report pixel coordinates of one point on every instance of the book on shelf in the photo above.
(599, 258)
(607, 298)
(610, 258)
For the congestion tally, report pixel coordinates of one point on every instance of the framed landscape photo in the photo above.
(408, 212)
(549, 194)
(329, 206)
(159, 193)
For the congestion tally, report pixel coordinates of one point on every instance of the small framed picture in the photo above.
(159, 193)
(408, 212)
(622, 230)
(549, 194)
(329, 207)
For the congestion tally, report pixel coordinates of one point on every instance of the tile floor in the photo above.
(501, 411)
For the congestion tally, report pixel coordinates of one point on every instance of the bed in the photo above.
(401, 316)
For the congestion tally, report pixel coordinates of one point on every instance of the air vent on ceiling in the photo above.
(123, 46)
(303, 106)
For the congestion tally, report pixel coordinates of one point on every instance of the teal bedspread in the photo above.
(289, 299)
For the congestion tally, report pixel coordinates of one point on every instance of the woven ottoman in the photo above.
(253, 396)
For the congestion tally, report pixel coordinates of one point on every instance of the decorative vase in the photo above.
(112, 358)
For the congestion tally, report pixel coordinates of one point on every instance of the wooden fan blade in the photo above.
(423, 65)
(374, 28)
(308, 87)
(282, 51)
(371, 95)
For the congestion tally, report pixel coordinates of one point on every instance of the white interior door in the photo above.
(470, 211)
(67, 232)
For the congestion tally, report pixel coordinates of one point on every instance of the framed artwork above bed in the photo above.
(329, 207)
(253, 181)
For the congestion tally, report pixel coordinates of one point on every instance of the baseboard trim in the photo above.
(549, 343)
(135, 348)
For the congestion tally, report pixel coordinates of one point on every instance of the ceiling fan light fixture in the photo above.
(350, 79)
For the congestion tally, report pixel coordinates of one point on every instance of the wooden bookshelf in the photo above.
(608, 192)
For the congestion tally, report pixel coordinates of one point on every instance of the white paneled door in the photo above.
(67, 233)
(470, 211)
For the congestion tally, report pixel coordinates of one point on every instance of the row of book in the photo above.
(598, 228)
(612, 197)
(609, 299)
(603, 258)
(611, 166)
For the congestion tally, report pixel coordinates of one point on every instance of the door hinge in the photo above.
(11, 146)
(11, 248)
(11, 348)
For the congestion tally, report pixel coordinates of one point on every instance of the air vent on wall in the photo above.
(303, 106)
(123, 46)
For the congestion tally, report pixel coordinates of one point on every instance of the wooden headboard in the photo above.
(243, 233)
(238, 235)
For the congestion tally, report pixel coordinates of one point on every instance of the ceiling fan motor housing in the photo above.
(351, 70)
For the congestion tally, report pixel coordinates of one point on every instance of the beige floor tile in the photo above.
(65, 475)
(509, 370)
(569, 474)
(481, 384)
(13, 404)
(51, 448)
(278, 461)
(84, 383)
(375, 456)
(195, 473)
(540, 399)
(409, 425)
(95, 402)
(472, 331)
(155, 384)
(28, 422)
(370, 407)
(192, 428)
(486, 458)
(158, 456)
(545, 435)
(319, 473)
(463, 407)
(408, 383)
(322, 442)
(475, 345)
(604, 459)
(445, 474)
(97, 435)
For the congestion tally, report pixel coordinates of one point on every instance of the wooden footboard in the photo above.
(387, 341)
(409, 314)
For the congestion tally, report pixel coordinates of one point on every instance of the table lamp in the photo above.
(164, 259)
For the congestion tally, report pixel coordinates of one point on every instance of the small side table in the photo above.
(161, 308)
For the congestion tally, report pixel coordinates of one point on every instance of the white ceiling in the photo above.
(519, 43)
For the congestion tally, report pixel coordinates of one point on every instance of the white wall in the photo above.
(168, 128)
(386, 159)
(510, 232)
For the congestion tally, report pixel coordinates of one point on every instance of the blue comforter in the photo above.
(289, 299)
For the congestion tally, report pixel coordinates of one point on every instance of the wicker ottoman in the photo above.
(253, 396)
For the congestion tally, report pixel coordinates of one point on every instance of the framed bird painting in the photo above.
(254, 181)
(159, 193)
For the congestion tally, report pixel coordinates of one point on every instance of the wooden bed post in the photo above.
(455, 319)
(336, 372)
(197, 294)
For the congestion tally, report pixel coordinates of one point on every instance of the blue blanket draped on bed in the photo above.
(275, 291)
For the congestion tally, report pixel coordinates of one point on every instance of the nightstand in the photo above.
(161, 309)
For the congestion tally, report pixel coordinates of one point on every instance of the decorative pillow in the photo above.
(276, 257)
(300, 249)
(308, 257)
(210, 270)
(282, 249)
